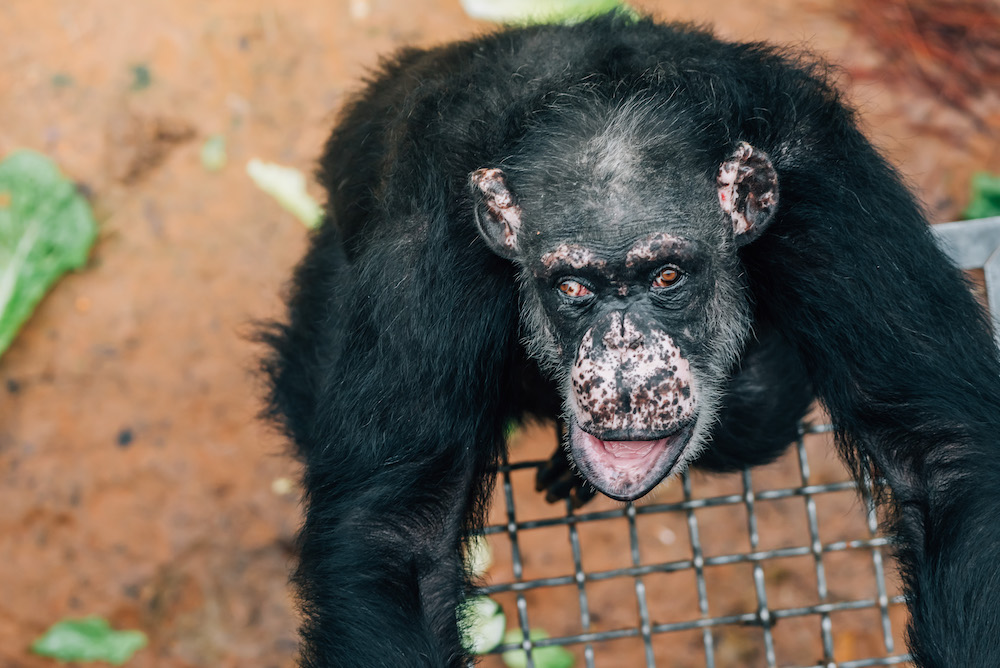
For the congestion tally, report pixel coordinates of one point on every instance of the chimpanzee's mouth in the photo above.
(626, 470)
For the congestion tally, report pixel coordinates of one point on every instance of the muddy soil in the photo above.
(135, 481)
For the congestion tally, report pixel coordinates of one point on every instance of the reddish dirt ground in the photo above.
(135, 481)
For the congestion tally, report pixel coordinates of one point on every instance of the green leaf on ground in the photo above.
(543, 11)
(46, 229)
(482, 624)
(89, 639)
(288, 186)
(985, 201)
(478, 556)
(510, 429)
(142, 77)
(552, 656)
(213, 153)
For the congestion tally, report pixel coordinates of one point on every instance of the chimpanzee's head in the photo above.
(633, 296)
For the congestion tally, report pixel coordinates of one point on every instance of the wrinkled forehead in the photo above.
(642, 219)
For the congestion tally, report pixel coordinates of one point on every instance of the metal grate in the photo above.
(972, 245)
(975, 244)
(765, 617)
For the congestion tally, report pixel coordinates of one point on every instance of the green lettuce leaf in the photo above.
(288, 186)
(46, 229)
(478, 556)
(552, 656)
(213, 153)
(89, 639)
(543, 11)
(482, 623)
(985, 200)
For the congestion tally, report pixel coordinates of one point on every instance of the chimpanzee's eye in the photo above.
(667, 277)
(574, 289)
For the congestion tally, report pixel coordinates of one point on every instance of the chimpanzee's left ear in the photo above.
(497, 213)
(748, 191)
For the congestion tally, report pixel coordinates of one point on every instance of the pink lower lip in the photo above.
(625, 470)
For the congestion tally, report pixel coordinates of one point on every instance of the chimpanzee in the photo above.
(670, 243)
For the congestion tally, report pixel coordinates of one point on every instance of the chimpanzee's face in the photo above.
(626, 323)
(633, 299)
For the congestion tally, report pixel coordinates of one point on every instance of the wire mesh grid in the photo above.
(971, 244)
(765, 617)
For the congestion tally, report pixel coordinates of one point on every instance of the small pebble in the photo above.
(282, 486)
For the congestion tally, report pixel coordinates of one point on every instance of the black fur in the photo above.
(401, 362)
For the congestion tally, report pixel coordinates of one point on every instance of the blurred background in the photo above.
(136, 482)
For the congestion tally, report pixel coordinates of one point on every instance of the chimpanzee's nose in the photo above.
(622, 334)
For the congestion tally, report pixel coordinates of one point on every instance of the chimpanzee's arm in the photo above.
(404, 427)
(762, 407)
(902, 357)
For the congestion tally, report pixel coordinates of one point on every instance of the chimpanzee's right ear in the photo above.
(497, 213)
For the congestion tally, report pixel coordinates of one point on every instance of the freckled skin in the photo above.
(499, 202)
(747, 192)
(631, 380)
(650, 248)
(631, 349)
(572, 255)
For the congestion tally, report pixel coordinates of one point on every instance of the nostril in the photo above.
(631, 335)
(622, 334)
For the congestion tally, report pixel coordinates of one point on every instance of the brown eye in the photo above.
(668, 276)
(574, 289)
